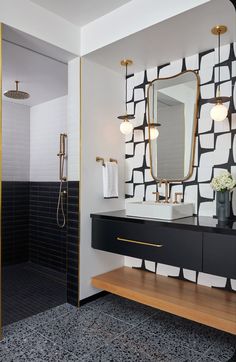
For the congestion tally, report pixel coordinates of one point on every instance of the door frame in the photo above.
(1, 181)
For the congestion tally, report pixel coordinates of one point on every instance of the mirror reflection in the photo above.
(172, 113)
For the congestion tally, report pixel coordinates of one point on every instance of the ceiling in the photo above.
(80, 12)
(25, 40)
(43, 77)
(183, 35)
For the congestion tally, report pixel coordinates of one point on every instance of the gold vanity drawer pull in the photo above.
(140, 242)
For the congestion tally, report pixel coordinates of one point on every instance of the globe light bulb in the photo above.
(154, 133)
(126, 127)
(219, 112)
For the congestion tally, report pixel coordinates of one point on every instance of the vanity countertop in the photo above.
(202, 223)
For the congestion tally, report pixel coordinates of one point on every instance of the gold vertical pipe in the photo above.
(80, 177)
(1, 181)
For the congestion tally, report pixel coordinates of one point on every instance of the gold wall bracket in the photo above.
(125, 62)
(219, 29)
(101, 159)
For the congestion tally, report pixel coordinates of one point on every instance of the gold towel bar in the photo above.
(140, 242)
(101, 159)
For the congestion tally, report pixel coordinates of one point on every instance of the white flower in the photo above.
(223, 182)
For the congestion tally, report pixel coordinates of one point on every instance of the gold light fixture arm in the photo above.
(218, 30)
(125, 63)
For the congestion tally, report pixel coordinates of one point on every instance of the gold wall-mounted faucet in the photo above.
(163, 181)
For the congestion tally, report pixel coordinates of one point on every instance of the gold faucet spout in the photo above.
(163, 181)
(166, 191)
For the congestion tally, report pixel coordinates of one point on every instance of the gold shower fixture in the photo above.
(16, 93)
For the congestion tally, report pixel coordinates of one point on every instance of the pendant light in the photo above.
(126, 127)
(219, 111)
(153, 127)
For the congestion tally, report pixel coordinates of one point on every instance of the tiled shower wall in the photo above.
(15, 185)
(47, 242)
(73, 231)
(215, 145)
(15, 222)
(29, 199)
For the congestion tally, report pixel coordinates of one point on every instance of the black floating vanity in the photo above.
(195, 243)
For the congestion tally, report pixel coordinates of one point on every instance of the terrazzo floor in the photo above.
(113, 329)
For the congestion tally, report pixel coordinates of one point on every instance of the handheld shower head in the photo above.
(16, 93)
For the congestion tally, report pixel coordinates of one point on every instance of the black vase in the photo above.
(222, 206)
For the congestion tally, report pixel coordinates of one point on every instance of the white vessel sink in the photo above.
(151, 209)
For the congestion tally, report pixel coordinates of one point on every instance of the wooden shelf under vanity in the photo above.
(212, 307)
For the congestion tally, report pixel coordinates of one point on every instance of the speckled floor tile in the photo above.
(15, 329)
(223, 348)
(83, 331)
(33, 347)
(193, 335)
(116, 352)
(123, 309)
(156, 347)
(178, 353)
(112, 330)
(181, 331)
(26, 326)
(45, 317)
(161, 323)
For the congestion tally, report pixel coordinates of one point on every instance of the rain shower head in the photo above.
(16, 93)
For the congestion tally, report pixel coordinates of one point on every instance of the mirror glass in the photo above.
(172, 112)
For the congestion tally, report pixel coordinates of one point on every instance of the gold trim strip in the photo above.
(1, 30)
(140, 242)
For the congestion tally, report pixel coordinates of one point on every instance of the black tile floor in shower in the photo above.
(113, 329)
(29, 289)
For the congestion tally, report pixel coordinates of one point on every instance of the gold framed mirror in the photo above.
(172, 121)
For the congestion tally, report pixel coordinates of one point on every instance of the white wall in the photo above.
(102, 101)
(15, 142)
(73, 120)
(47, 121)
(41, 23)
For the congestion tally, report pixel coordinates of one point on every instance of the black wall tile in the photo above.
(73, 243)
(15, 222)
(30, 231)
(47, 242)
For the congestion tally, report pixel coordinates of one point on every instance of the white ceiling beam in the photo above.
(40, 23)
(129, 19)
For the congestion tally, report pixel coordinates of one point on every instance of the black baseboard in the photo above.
(93, 297)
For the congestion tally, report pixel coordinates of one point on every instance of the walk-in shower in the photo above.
(34, 247)
(61, 217)
(40, 194)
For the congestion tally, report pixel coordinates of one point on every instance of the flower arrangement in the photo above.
(224, 182)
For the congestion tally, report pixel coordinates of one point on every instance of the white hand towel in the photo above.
(110, 180)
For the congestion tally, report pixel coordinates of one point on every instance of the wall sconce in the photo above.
(126, 127)
(154, 132)
(219, 111)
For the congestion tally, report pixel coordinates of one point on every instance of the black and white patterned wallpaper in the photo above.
(215, 142)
